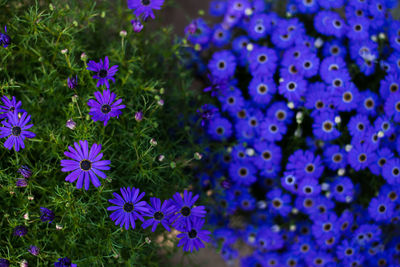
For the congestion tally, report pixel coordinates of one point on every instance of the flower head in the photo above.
(25, 171)
(16, 130)
(145, 8)
(85, 165)
(72, 82)
(34, 250)
(159, 213)
(137, 25)
(104, 71)
(4, 262)
(21, 183)
(104, 108)
(193, 236)
(20, 230)
(9, 106)
(185, 208)
(64, 262)
(128, 207)
(5, 39)
(46, 215)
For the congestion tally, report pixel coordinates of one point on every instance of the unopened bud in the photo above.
(123, 33)
(153, 142)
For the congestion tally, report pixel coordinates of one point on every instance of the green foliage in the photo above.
(35, 71)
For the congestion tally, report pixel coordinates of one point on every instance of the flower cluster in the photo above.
(179, 212)
(143, 9)
(308, 118)
(15, 124)
(5, 39)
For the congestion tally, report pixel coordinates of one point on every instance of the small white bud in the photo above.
(295, 211)
(290, 105)
(123, 33)
(292, 228)
(338, 119)
(381, 134)
(250, 47)
(250, 152)
(298, 132)
(374, 38)
(275, 228)
(341, 171)
(349, 199)
(382, 36)
(318, 42)
(59, 226)
(26, 216)
(262, 204)
(348, 148)
(251, 239)
(161, 158)
(64, 51)
(148, 240)
(325, 186)
(328, 194)
(153, 142)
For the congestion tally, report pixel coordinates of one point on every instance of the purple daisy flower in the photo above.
(9, 106)
(159, 213)
(145, 7)
(46, 215)
(20, 230)
(4, 262)
(64, 262)
(128, 208)
(16, 130)
(104, 71)
(185, 209)
(104, 108)
(193, 236)
(86, 165)
(137, 25)
(21, 183)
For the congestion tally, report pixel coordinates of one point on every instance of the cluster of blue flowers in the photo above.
(307, 117)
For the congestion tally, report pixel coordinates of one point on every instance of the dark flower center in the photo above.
(103, 73)
(281, 115)
(12, 109)
(395, 171)
(243, 172)
(262, 58)
(382, 162)
(347, 97)
(145, 2)
(328, 126)
(267, 155)
(337, 158)
(128, 207)
(276, 203)
(394, 87)
(86, 165)
(221, 65)
(327, 227)
(309, 203)
(192, 233)
(158, 215)
(262, 89)
(310, 168)
(362, 158)
(291, 86)
(105, 108)
(339, 188)
(369, 103)
(349, 251)
(16, 131)
(382, 208)
(304, 248)
(220, 130)
(185, 211)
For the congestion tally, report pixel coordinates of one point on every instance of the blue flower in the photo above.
(222, 65)
(184, 206)
(103, 108)
(159, 213)
(128, 207)
(145, 8)
(103, 71)
(85, 165)
(381, 209)
(16, 130)
(192, 236)
(9, 106)
(46, 215)
(5, 40)
(64, 262)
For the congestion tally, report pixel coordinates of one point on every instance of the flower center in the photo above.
(16, 131)
(12, 109)
(145, 2)
(103, 73)
(105, 108)
(128, 207)
(185, 211)
(158, 215)
(86, 165)
(192, 233)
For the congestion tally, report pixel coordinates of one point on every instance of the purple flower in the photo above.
(159, 213)
(34, 250)
(20, 230)
(184, 207)
(5, 40)
(128, 208)
(139, 116)
(137, 25)
(71, 124)
(16, 130)
(46, 215)
(145, 7)
(9, 106)
(104, 71)
(72, 82)
(193, 236)
(206, 113)
(86, 165)
(64, 262)
(4, 263)
(21, 183)
(25, 171)
(104, 108)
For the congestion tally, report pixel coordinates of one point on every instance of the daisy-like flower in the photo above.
(46, 215)
(5, 39)
(185, 208)
(16, 130)
(86, 165)
(72, 82)
(128, 207)
(137, 25)
(159, 213)
(193, 235)
(20, 230)
(145, 7)
(104, 71)
(9, 105)
(104, 108)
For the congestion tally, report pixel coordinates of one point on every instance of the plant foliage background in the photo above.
(35, 71)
